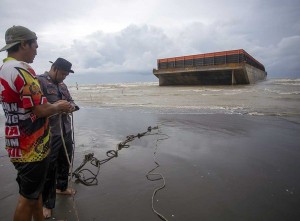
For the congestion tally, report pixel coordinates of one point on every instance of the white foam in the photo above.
(286, 81)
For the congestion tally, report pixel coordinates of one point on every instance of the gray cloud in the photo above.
(134, 48)
(268, 30)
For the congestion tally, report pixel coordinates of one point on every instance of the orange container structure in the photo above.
(217, 68)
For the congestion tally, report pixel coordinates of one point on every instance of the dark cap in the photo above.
(63, 64)
(15, 35)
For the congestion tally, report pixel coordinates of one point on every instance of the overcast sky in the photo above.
(110, 41)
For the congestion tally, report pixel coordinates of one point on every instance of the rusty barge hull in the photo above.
(218, 68)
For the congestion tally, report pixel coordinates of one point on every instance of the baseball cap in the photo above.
(63, 64)
(15, 35)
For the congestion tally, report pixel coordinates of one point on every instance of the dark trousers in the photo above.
(58, 172)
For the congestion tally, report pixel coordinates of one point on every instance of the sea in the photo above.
(276, 97)
(273, 97)
(220, 153)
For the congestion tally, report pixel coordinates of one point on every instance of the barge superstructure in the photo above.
(217, 68)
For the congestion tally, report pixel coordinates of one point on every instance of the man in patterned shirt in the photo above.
(26, 128)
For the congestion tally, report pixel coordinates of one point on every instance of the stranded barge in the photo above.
(217, 68)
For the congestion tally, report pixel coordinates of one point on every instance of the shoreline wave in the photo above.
(193, 110)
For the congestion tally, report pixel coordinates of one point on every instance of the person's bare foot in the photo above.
(68, 191)
(47, 213)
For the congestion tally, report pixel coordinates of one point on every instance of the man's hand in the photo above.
(63, 106)
(47, 109)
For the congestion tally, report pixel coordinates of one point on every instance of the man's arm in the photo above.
(47, 109)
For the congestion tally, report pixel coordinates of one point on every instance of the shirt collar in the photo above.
(8, 59)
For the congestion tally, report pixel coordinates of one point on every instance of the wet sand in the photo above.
(216, 167)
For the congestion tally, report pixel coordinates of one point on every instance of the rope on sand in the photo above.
(81, 173)
(152, 176)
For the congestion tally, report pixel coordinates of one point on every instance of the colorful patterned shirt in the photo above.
(26, 135)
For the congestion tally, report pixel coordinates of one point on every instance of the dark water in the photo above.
(226, 153)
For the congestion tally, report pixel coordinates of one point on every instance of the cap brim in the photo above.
(8, 46)
(71, 71)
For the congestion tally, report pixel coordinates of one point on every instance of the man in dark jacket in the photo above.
(60, 126)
